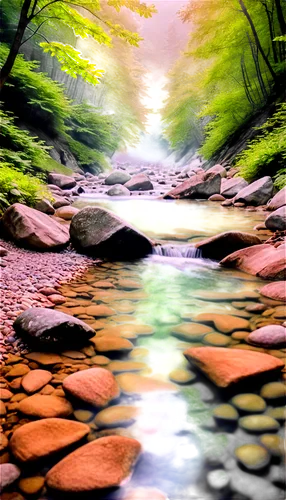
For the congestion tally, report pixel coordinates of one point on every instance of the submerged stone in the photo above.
(258, 423)
(116, 416)
(226, 412)
(191, 331)
(250, 403)
(96, 386)
(252, 456)
(132, 383)
(273, 390)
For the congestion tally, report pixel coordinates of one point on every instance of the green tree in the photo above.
(84, 17)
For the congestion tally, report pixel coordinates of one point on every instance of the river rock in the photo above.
(44, 437)
(9, 473)
(118, 190)
(66, 213)
(103, 463)
(31, 485)
(257, 193)
(224, 323)
(117, 177)
(258, 423)
(116, 416)
(34, 229)
(252, 456)
(60, 201)
(111, 343)
(191, 331)
(42, 406)
(273, 391)
(45, 206)
(250, 403)
(132, 383)
(230, 187)
(35, 380)
(50, 327)
(62, 181)
(226, 412)
(264, 261)
(202, 185)
(278, 200)
(275, 291)
(95, 386)
(217, 169)
(139, 182)
(276, 221)
(219, 246)
(268, 336)
(99, 232)
(273, 443)
(217, 339)
(226, 367)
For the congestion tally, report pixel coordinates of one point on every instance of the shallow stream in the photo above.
(182, 442)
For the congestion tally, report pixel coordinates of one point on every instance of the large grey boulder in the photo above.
(62, 181)
(46, 326)
(117, 177)
(276, 221)
(99, 232)
(139, 182)
(202, 185)
(219, 246)
(118, 190)
(230, 187)
(279, 200)
(33, 229)
(257, 193)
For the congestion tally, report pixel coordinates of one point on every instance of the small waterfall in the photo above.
(183, 251)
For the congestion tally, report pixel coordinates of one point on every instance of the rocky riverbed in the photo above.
(144, 379)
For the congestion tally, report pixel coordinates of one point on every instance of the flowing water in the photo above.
(181, 442)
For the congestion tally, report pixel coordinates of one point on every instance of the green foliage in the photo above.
(267, 151)
(88, 158)
(18, 187)
(18, 147)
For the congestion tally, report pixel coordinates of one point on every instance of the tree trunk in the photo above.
(280, 16)
(15, 47)
(271, 31)
(256, 38)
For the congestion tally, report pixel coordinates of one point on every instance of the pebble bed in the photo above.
(24, 274)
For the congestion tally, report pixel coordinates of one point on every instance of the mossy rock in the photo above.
(226, 412)
(252, 456)
(182, 376)
(273, 390)
(258, 423)
(273, 443)
(278, 413)
(250, 403)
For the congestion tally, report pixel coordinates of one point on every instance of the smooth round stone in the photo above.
(111, 343)
(18, 371)
(42, 438)
(116, 416)
(252, 456)
(145, 494)
(103, 463)
(268, 336)
(83, 415)
(139, 352)
(273, 443)
(217, 339)
(239, 335)
(181, 376)
(126, 366)
(3, 442)
(259, 423)
(226, 412)
(250, 403)
(273, 390)
(42, 406)
(31, 485)
(277, 413)
(131, 383)
(9, 473)
(95, 386)
(191, 331)
(100, 311)
(35, 380)
(224, 323)
(100, 360)
(218, 479)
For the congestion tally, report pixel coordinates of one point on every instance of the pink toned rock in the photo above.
(103, 463)
(216, 197)
(264, 260)
(61, 181)
(42, 406)
(226, 367)
(257, 193)
(202, 185)
(276, 221)
(29, 227)
(217, 169)
(139, 182)
(57, 299)
(230, 187)
(278, 200)
(44, 437)
(276, 290)
(96, 386)
(268, 336)
(219, 246)
(35, 380)
(66, 213)
(9, 473)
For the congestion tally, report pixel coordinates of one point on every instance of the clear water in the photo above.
(172, 426)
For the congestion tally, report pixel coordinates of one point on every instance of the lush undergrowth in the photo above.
(16, 186)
